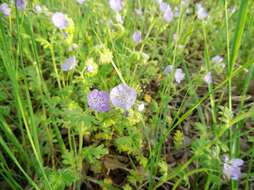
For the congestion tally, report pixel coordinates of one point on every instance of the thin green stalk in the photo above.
(210, 86)
(232, 61)
(54, 66)
(12, 156)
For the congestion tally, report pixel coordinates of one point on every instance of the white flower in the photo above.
(232, 10)
(208, 78)
(141, 107)
(217, 59)
(116, 5)
(179, 75)
(123, 96)
(81, 1)
(201, 12)
(38, 8)
(60, 20)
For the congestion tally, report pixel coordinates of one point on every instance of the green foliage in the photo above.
(62, 178)
(92, 153)
(129, 144)
(51, 139)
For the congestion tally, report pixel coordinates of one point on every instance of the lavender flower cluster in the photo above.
(121, 96)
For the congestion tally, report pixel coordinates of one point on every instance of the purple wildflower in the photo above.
(21, 4)
(168, 69)
(164, 6)
(60, 20)
(98, 100)
(116, 5)
(231, 168)
(168, 15)
(167, 12)
(5, 9)
(179, 75)
(90, 68)
(69, 64)
(177, 12)
(137, 37)
(123, 96)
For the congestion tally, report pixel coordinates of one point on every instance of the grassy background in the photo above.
(51, 140)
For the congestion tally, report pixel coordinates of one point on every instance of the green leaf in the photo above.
(92, 153)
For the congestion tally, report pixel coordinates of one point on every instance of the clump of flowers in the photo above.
(137, 37)
(69, 64)
(123, 96)
(208, 78)
(99, 101)
(21, 4)
(232, 168)
(179, 75)
(5, 9)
